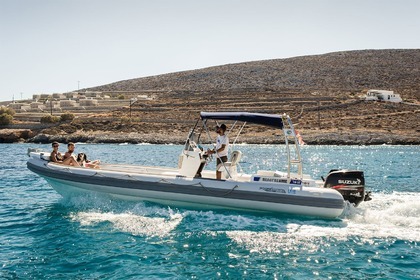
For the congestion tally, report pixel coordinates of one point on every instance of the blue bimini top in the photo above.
(257, 118)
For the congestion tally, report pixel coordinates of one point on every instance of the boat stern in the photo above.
(349, 183)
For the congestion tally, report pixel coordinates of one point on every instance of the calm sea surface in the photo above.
(43, 236)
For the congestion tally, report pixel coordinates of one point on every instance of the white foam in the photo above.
(137, 219)
(395, 215)
(267, 242)
(131, 223)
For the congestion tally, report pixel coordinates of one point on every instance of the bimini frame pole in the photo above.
(295, 159)
(237, 135)
(207, 130)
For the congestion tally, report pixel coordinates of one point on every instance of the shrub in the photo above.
(50, 119)
(6, 115)
(125, 120)
(121, 96)
(7, 111)
(5, 119)
(66, 117)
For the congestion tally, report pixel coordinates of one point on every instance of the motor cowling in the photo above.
(350, 183)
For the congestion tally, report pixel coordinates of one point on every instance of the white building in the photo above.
(383, 95)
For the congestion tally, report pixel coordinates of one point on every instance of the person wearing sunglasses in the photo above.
(56, 157)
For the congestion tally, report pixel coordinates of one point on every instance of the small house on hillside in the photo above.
(383, 95)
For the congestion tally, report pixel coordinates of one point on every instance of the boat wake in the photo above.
(393, 216)
(388, 216)
(133, 218)
(130, 222)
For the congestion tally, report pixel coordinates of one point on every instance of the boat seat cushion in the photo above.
(235, 157)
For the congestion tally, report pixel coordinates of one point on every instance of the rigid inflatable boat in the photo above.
(190, 185)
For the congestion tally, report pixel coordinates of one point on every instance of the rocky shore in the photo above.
(316, 137)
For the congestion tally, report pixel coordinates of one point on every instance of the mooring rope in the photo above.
(214, 193)
(165, 181)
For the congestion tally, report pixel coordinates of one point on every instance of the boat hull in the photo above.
(192, 192)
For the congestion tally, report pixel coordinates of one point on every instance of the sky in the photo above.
(56, 46)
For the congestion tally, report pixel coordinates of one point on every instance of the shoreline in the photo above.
(316, 137)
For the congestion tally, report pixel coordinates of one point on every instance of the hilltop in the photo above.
(332, 73)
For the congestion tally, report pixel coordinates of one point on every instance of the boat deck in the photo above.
(151, 170)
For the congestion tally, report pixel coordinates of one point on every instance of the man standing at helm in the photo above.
(221, 149)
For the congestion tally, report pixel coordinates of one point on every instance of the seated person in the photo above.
(70, 150)
(83, 161)
(56, 156)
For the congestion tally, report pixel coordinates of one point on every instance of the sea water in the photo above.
(43, 236)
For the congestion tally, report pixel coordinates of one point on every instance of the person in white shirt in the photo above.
(221, 150)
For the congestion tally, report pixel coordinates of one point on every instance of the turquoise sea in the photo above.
(43, 236)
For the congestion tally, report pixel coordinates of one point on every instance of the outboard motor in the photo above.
(350, 183)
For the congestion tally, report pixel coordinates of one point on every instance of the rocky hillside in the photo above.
(333, 73)
(321, 93)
